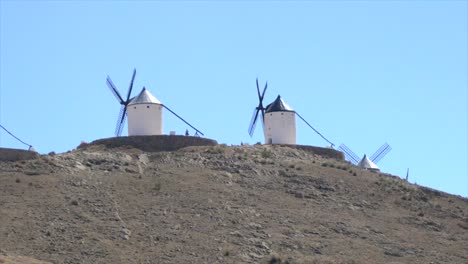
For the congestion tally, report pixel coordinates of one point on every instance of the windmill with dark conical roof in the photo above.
(278, 120)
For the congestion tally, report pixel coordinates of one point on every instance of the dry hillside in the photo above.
(220, 204)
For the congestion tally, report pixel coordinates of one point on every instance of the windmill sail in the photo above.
(123, 109)
(253, 122)
(258, 109)
(380, 153)
(349, 154)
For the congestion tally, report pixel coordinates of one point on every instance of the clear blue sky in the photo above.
(362, 72)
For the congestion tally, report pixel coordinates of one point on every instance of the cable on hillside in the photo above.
(15, 137)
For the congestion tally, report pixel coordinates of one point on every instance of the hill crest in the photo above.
(220, 204)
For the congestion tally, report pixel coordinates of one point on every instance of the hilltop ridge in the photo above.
(220, 204)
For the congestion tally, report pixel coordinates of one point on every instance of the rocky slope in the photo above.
(219, 204)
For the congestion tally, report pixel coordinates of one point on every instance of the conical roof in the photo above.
(367, 164)
(144, 97)
(278, 106)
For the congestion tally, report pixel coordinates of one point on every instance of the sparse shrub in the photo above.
(313, 161)
(354, 174)
(227, 253)
(17, 180)
(291, 166)
(266, 154)
(157, 186)
(74, 202)
(277, 260)
(332, 165)
(52, 153)
(325, 164)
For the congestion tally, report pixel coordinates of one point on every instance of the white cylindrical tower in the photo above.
(280, 123)
(144, 115)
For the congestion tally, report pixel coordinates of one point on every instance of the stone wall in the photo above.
(325, 152)
(7, 154)
(153, 143)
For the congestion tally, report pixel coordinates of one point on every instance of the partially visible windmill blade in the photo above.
(131, 86)
(116, 93)
(264, 90)
(253, 122)
(349, 154)
(261, 103)
(315, 129)
(380, 153)
(120, 121)
(183, 120)
(258, 89)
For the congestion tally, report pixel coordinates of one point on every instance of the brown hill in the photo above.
(219, 204)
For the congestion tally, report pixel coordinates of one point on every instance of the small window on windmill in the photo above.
(147, 106)
(172, 133)
(134, 107)
(282, 113)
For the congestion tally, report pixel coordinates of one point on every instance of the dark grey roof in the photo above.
(278, 106)
(144, 97)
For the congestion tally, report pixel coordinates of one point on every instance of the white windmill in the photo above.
(145, 112)
(144, 115)
(278, 120)
(279, 123)
(365, 162)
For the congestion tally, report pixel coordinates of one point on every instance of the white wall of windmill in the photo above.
(145, 119)
(280, 128)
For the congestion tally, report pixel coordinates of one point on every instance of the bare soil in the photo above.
(220, 204)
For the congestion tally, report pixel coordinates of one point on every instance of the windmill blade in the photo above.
(380, 153)
(264, 90)
(258, 90)
(131, 86)
(314, 129)
(253, 122)
(183, 120)
(261, 103)
(116, 93)
(261, 95)
(120, 121)
(349, 154)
